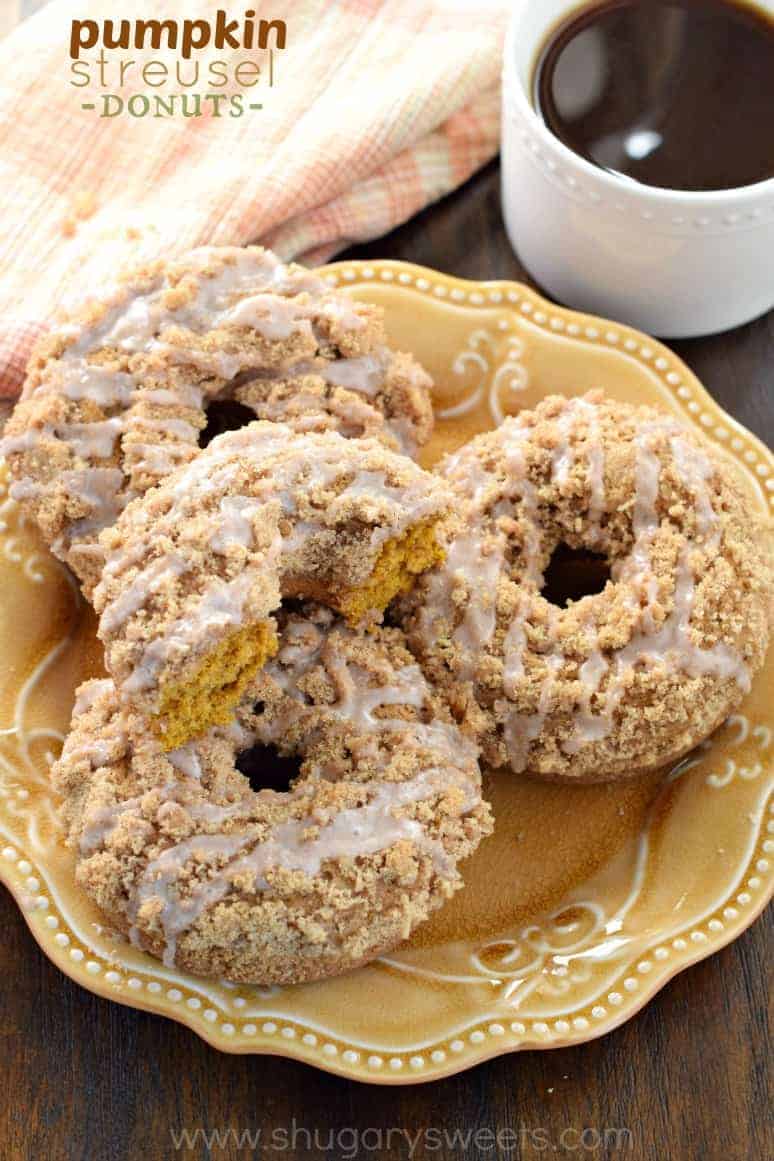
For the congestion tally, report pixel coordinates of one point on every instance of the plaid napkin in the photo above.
(378, 107)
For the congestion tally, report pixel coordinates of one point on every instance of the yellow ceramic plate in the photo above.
(584, 902)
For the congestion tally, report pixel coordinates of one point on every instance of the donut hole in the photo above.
(573, 573)
(224, 415)
(265, 769)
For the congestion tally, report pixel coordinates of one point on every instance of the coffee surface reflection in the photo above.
(676, 95)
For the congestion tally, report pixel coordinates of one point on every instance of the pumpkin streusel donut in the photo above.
(196, 566)
(117, 396)
(267, 886)
(621, 680)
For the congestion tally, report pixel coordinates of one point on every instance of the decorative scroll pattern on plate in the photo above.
(569, 972)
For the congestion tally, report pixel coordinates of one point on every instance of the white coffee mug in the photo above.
(670, 262)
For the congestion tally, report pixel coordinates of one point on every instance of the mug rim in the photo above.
(514, 89)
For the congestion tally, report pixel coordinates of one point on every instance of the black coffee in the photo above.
(678, 95)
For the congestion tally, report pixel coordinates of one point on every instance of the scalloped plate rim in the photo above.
(268, 1047)
(504, 284)
(510, 1042)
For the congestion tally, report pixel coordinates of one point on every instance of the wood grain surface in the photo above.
(688, 1078)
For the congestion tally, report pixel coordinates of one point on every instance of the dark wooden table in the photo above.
(688, 1077)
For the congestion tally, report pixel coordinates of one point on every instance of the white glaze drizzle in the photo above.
(472, 568)
(158, 573)
(88, 440)
(697, 470)
(89, 381)
(354, 832)
(186, 760)
(515, 640)
(221, 606)
(136, 323)
(668, 645)
(385, 509)
(159, 459)
(515, 643)
(364, 374)
(89, 693)
(98, 489)
(519, 730)
(357, 700)
(305, 644)
(367, 828)
(100, 823)
(235, 523)
(25, 489)
(271, 316)
(475, 559)
(568, 450)
(342, 310)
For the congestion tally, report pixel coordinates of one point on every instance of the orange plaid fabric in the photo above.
(378, 107)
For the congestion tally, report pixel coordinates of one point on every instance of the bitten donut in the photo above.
(117, 396)
(195, 567)
(624, 679)
(266, 886)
